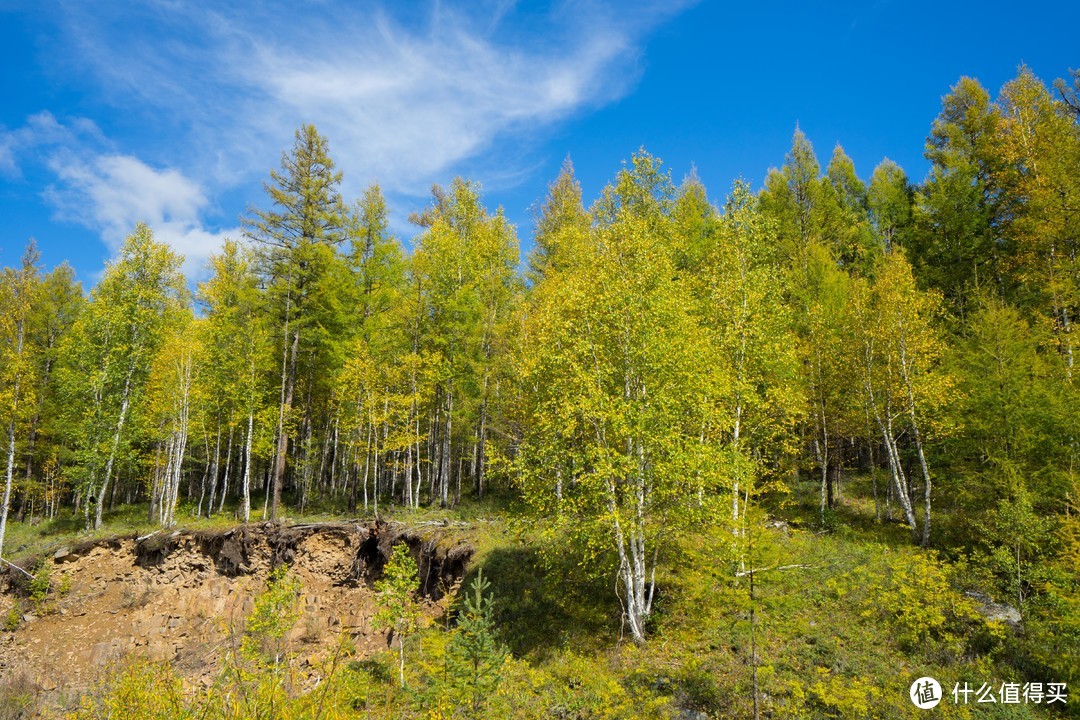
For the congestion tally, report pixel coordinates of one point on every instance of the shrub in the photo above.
(399, 611)
(276, 611)
(13, 619)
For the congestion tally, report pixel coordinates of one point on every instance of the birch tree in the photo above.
(111, 348)
(238, 354)
(616, 382)
(899, 347)
(173, 378)
(19, 292)
(757, 395)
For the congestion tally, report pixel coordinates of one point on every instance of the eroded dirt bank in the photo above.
(181, 596)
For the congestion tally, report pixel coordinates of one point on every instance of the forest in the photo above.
(656, 371)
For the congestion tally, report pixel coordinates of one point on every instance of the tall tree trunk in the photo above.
(125, 401)
(334, 463)
(899, 479)
(481, 461)
(918, 439)
(444, 473)
(245, 507)
(283, 437)
(228, 467)
(735, 482)
(9, 477)
(214, 476)
(10, 474)
(419, 476)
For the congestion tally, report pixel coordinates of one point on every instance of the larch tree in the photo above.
(1041, 145)
(464, 267)
(299, 236)
(889, 199)
(757, 392)
(1007, 427)
(960, 242)
(562, 226)
(695, 221)
(59, 304)
(844, 220)
(375, 405)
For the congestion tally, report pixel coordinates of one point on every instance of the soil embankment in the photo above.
(181, 596)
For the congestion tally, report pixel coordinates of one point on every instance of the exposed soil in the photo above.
(181, 596)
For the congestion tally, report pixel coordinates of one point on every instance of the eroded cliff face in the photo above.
(181, 596)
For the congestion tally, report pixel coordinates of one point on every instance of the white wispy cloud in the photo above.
(407, 96)
(112, 193)
(403, 99)
(40, 135)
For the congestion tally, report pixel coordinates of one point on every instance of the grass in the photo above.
(842, 619)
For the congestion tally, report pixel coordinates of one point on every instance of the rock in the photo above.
(997, 612)
(64, 555)
(688, 714)
(779, 525)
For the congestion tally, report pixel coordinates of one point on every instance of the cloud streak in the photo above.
(403, 99)
(112, 193)
(407, 97)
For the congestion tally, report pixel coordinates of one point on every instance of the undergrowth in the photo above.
(840, 622)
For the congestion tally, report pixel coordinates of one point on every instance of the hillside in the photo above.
(838, 624)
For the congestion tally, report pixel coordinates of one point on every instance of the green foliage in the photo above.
(889, 201)
(137, 689)
(109, 353)
(561, 228)
(614, 402)
(275, 612)
(911, 595)
(661, 362)
(41, 586)
(13, 618)
(399, 610)
(843, 697)
(474, 655)
(1018, 538)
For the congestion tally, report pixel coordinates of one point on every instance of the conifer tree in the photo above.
(561, 226)
(889, 199)
(474, 655)
(299, 237)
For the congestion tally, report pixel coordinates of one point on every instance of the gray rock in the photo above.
(997, 612)
(779, 525)
(688, 714)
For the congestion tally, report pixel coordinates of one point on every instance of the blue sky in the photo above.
(174, 112)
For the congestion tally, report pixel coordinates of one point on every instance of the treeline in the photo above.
(661, 364)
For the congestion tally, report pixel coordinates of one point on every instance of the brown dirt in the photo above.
(181, 596)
